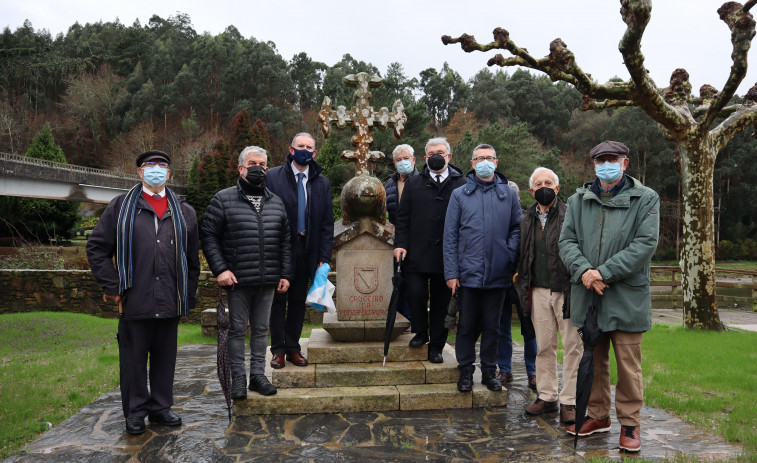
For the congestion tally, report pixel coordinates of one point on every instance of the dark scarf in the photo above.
(124, 255)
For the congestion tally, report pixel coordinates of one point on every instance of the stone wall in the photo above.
(77, 291)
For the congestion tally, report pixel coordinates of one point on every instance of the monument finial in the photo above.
(363, 119)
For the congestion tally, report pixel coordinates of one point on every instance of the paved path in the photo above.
(96, 433)
(740, 319)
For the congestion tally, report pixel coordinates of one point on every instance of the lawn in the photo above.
(53, 364)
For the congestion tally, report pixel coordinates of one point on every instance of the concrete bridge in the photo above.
(38, 178)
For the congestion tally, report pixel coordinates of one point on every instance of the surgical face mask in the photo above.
(608, 171)
(544, 196)
(404, 167)
(302, 157)
(436, 162)
(485, 169)
(255, 175)
(155, 176)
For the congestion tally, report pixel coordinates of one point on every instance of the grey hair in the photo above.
(515, 186)
(483, 146)
(402, 149)
(252, 149)
(303, 134)
(438, 141)
(539, 170)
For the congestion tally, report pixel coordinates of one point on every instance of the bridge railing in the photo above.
(738, 286)
(178, 177)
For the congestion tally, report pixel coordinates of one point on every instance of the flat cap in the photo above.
(614, 148)
(151, 156)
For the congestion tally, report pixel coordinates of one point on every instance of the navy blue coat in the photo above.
(320, 216)
(392, 194)
(482, 233)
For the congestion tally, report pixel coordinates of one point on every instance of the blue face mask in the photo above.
(608, 172)
(302, 157)
(155, 176)
(485, 169)
(404, 167)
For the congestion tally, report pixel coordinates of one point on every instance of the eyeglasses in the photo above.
(162, 164)
(431, 153)
(485, 158)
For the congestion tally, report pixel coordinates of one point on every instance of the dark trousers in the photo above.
(422, 287)
(288, 309)
(480, 310)
(137, 340)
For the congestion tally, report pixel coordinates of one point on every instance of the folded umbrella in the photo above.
(398, 282)
(222, 353)
(590, 333)
(450, 321)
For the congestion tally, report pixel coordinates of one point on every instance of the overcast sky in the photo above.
(682, 33)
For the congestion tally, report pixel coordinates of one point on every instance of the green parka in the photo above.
(618, 238)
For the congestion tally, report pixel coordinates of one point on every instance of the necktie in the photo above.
(438, 178)
(156, 196)
(301, 204)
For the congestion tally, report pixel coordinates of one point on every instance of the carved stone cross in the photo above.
(363, 118)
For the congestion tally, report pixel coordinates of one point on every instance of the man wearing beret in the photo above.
(153, 235)
(607, 241)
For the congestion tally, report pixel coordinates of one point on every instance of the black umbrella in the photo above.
(222, 355)
(391, 313)
(590, 333)
(124, 340)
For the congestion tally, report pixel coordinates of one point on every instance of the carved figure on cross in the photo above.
(363, 119)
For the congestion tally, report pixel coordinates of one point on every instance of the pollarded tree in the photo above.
(686, 120)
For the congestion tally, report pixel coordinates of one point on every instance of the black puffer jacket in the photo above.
(255, 246)
(392, 194)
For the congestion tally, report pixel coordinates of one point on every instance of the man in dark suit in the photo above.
(307, 198)
(419, 230)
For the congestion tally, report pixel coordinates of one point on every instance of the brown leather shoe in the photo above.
(540, 407)
(277, 361)
(590, 427)
(630, 438)
(505, 378)
(298, 359)
(568, 413)
(532, 382)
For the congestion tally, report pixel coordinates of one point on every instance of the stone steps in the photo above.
(368, 398)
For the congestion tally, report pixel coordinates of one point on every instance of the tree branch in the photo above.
(741, 23)
(589, 103)
(636, 14)
(744, 116)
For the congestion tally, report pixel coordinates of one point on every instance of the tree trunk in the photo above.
(698, 252)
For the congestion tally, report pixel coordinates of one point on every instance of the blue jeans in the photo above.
(505, 351)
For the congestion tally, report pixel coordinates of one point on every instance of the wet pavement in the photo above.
(96, 433)
(739, 319)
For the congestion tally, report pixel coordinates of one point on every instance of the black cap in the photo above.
(151, 156)
(614, 148)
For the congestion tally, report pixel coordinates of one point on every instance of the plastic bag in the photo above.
(321, 293)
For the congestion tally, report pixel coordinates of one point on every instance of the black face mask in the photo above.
(255, 175)
(544, 196)
(436, 162)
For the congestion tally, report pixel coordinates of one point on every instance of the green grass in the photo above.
(52, 364)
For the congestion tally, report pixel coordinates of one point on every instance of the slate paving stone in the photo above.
(97, 433)
(319, 429)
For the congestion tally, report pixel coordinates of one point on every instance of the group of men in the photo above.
(457, 233)
(466, 234)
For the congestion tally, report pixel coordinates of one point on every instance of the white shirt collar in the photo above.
(161, 193)
(297, 171)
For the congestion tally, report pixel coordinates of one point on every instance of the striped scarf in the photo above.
(124, 242)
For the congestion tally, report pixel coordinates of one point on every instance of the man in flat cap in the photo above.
(153, 235)
(607, 241)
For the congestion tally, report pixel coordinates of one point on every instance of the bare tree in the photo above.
(687, 121)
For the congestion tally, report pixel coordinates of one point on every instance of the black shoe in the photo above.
(239, 388)
(135, 425)
(418, 340)
(435, 357)
(167, 418)
(465, 383)
(260, 384)
(489, 378)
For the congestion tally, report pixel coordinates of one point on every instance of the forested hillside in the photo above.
(109, 91)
